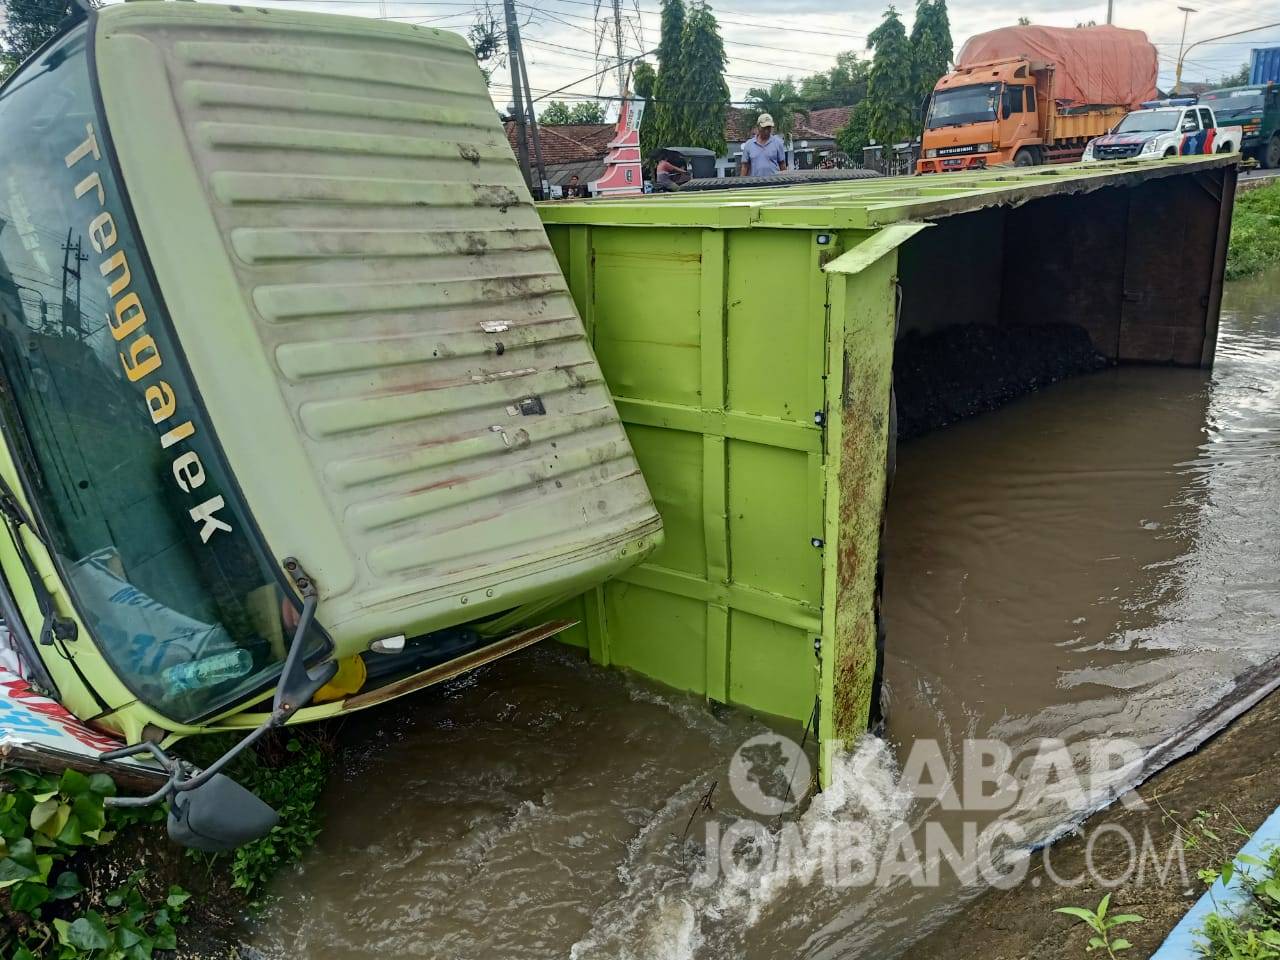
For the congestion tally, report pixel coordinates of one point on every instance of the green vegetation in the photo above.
(290, 775)
(1255, 232)
(585, 111)
(1251, 932)
(1102, 926)
(902, 73)
(890, 89)
(931, 47)
(28, 23)
(843, 85)
(47, 826)
(61, 851)
(782, 101)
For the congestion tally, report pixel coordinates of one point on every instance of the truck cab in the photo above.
(1165, 128)
(289, 374)
(1256, 108)
(981, 116)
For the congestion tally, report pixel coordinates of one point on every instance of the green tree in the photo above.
(931, 46)
(1238, 79)
(856, 134)
(782, 101)
(643, 80)
(1024, 21)
(586, 111)
(703, 96)
(665, 109)
(555, 112)
(28, 24)
(890, 92)
(841, 86)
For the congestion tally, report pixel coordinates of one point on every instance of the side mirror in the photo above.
(219, 815)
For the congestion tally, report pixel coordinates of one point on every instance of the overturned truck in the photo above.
(300, 413)
(750, 340)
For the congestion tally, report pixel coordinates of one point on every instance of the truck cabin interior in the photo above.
(1002, 301)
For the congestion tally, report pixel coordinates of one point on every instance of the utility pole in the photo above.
(1111, 9)
(1186, 15)
(522, 104)
(617, 46)
(72, 253)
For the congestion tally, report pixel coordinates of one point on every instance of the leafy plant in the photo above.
(290, 775)
(1253, 932)
(1102, 926)
(42, 821)
(45, 822)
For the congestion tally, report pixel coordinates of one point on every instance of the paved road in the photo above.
(1259, 174)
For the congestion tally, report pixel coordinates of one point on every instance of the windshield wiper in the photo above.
(53, 626)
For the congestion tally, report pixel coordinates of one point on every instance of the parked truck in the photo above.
(1030, 95)
(1256, 108)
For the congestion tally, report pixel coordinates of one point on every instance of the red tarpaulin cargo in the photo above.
(1093, 65)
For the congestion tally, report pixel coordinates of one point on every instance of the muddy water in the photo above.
(1100, 558)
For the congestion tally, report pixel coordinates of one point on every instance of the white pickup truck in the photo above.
(1165, 128)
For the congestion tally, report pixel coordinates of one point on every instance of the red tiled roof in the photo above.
(569, 142)
(823, 123)
(740, 123)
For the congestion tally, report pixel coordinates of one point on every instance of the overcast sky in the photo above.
(767, 40)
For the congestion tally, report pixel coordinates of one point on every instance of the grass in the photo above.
(1255, 232)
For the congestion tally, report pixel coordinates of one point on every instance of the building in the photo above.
(570, 148)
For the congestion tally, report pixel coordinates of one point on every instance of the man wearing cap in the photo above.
(764, 154)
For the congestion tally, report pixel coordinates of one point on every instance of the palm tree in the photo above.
(783, 101)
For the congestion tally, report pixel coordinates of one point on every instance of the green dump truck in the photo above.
(300, 413)
(1256, 109)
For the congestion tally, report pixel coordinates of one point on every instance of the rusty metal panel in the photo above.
(372, 310)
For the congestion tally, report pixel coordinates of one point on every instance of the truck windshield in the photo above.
(104, 424)
(964, 105)
(1226, 102)
(1149, 121)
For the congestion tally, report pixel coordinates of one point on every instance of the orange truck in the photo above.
(1028, 95)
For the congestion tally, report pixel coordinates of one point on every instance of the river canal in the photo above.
(1099, 558)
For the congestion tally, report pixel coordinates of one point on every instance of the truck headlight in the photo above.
(930, 154)
(1150, 146)
(982, 148)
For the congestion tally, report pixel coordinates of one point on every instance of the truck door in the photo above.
(1192, 135)
(1017, 114)
(1210, 129)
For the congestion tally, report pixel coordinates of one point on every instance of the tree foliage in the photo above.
(841, 86)
(665, 110)
(783, 101)
(28, 24)
(1238, 79)
(643, 80)
(856, 134)
(703, 98)
(558, 112)
(890, 90)
(931, 46)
